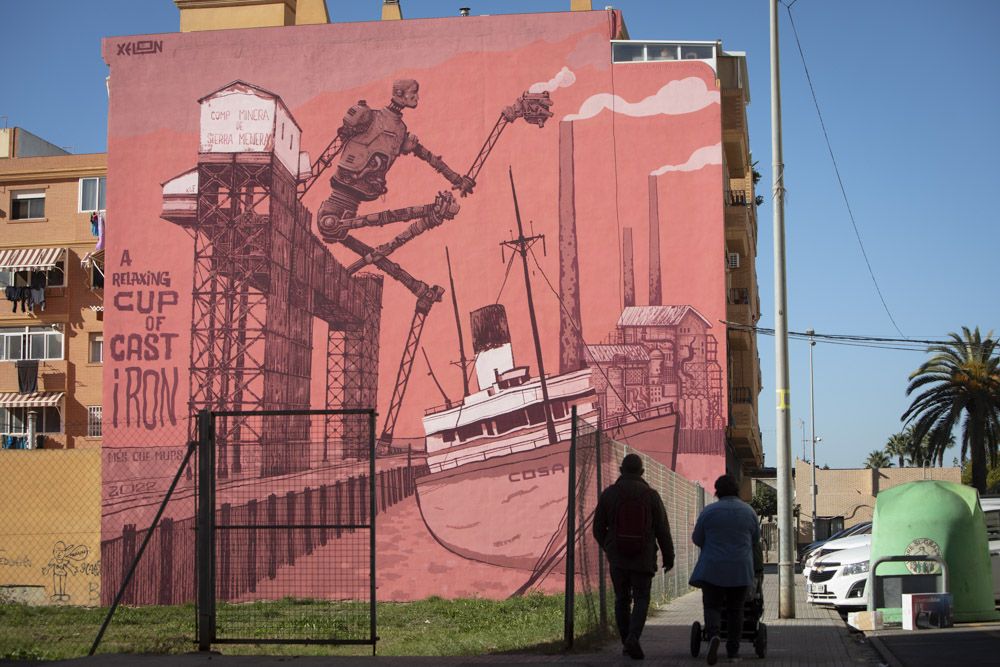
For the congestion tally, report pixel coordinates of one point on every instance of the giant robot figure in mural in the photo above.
(372, 140)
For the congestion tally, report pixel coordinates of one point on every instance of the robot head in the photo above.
(404, 93)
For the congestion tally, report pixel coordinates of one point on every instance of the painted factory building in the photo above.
(303, 210)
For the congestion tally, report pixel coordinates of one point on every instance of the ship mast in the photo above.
(521, 245)
(462, 362)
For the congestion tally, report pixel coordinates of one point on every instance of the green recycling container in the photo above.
(938, 518)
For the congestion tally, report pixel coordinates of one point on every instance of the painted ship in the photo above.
(497, 484)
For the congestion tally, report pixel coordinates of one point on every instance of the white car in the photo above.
(839, 578)
(861, 538)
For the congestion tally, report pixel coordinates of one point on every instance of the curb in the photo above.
(883, 651)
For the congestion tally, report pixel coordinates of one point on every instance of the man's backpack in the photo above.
(630, 524)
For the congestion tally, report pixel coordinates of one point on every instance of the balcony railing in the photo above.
(740, 395)
(738, 198)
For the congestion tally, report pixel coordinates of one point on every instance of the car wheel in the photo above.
(695, 639)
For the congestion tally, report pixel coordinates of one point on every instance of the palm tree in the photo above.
(898, 445)
(959, 385)
(878, 459)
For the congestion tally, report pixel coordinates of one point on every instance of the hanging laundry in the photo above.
(19, 295)
(27, 375)
(100, 232)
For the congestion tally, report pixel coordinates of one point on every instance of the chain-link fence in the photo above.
(293, 542)
(590, 600)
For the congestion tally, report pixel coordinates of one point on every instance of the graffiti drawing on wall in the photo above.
(65, 558)
(290, 309)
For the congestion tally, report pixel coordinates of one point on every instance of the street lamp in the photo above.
(812, 428)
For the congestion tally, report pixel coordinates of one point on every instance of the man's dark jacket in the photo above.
(657, 525)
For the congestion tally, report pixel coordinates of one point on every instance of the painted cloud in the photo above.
(675, 98)
(702, 157)
(563, 79)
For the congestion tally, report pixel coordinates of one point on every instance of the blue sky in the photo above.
(908, 92)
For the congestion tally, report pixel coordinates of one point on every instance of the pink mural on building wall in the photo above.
(285, 246)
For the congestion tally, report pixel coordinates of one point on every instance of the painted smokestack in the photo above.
(570, 336)
(628, 267)
(655, 287)
(491, 343)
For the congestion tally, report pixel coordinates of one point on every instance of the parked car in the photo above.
(850, 530)
(859, 538)
(839, 578)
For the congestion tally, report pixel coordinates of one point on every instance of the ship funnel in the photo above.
(491, 343)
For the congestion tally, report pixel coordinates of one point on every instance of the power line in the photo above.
(836, 169)
(875, 342)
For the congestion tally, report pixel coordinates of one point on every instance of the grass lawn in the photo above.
(533, 623)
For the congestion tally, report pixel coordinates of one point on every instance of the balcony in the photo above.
(739, 308)
(51, 375)
(741, 225)
(744, 431)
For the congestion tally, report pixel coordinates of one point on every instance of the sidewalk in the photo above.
(815, 637)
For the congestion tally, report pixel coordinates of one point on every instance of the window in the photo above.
(15, 420)
(54, 276)
(27, 205)
(94, 415)
(92, 195)
(96, 354)
(30, 343)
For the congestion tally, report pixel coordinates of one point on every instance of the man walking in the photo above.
(629, 523)
(727, 532)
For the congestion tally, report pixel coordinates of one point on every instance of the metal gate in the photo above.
(286, 527)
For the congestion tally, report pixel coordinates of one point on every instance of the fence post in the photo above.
(165, 595)
(290, 518)
(373, 620)
(307, 499)
(252, 545)
(272, 536)
(226, 566)
(206, 531)
(602, 591)
(570, 608)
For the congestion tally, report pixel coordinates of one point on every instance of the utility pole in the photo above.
(786, 539)
(812, 428)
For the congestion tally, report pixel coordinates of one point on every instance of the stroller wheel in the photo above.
(695, 639)
(760, 641)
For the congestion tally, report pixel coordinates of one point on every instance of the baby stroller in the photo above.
(754, 630)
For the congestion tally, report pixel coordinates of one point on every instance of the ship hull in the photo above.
(510, 510)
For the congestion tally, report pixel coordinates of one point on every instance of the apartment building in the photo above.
(51, 355)
(846, 496)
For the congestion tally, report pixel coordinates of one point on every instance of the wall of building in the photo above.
(583, 179)
(50, 527)
(851, 492)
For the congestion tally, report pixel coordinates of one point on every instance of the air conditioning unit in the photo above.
(733, 260)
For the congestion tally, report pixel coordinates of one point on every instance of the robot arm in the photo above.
(463, 184)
